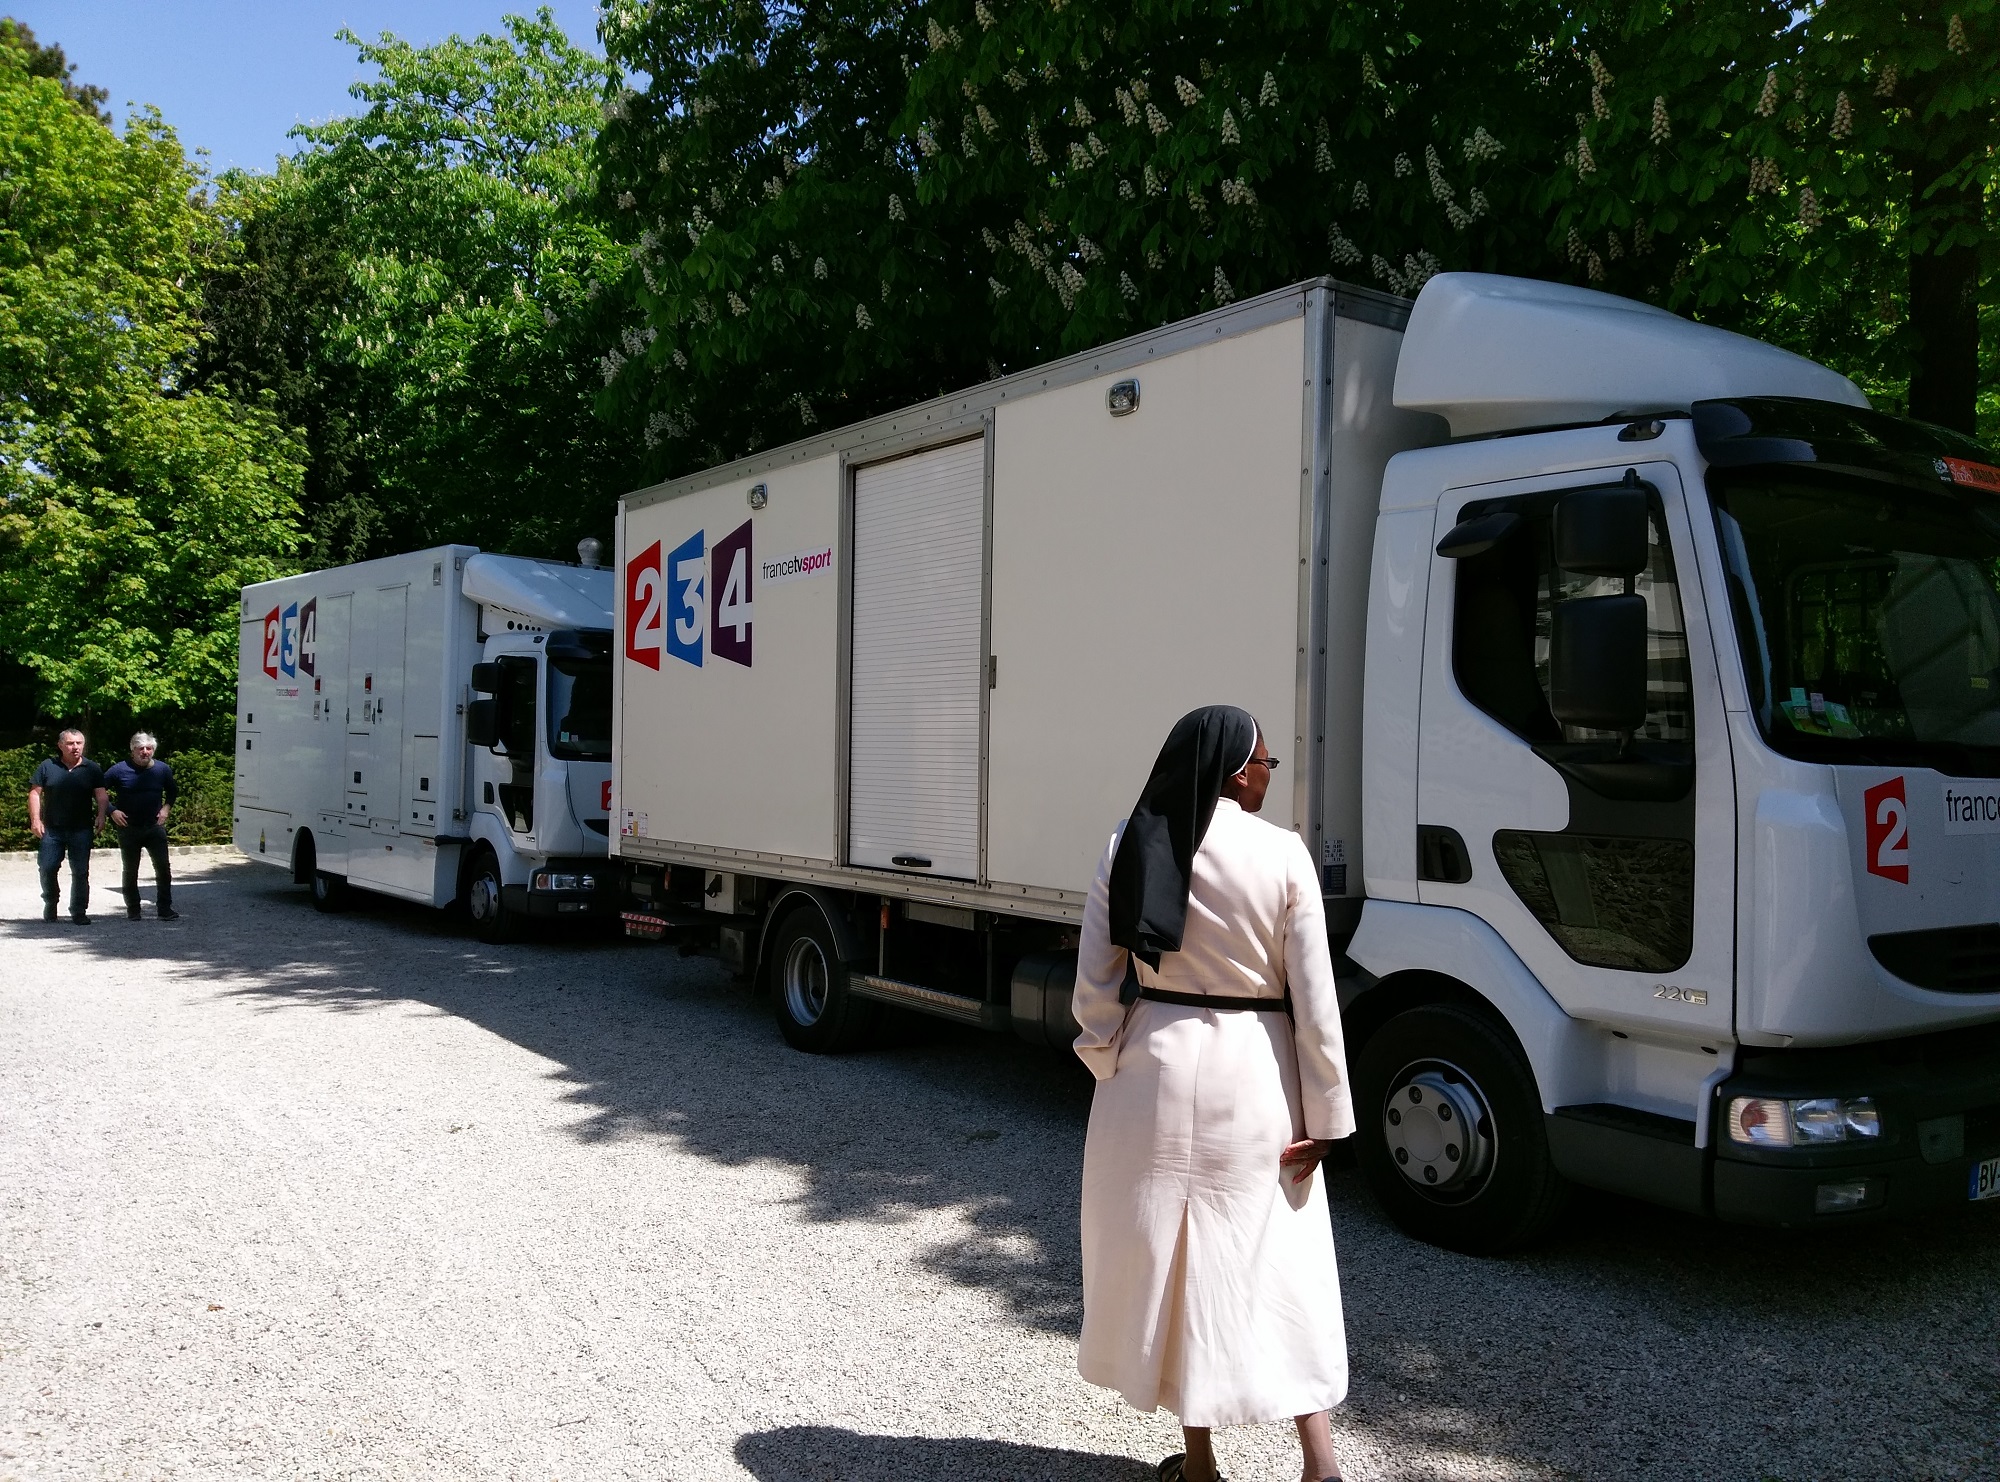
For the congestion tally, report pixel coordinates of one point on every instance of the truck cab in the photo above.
(538, 727)
(1681, 779)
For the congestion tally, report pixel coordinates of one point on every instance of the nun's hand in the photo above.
(1301, 1158)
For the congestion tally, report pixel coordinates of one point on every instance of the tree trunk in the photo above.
(1944, 306)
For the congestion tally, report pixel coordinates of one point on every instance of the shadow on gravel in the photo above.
(804, 1453)
(1635, 1344)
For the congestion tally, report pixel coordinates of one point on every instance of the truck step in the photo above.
(930, 1001)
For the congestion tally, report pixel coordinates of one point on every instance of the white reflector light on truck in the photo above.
(1762, 1121)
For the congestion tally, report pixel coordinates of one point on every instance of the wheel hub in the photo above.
(483, 899)
(806, 981)
(1438, 1128)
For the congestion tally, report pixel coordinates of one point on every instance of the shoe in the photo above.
(1171, 1469)
(48, 913)
(168, 913)
(80, 919)
(131, 913)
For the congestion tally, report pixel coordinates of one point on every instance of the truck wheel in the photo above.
(331, 892)
(809, 988)
(485, 906)
(1451, 1136)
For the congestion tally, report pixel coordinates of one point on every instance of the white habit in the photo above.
(1208, 1275)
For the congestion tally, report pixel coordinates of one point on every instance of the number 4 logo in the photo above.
(729, 620)
(1888, 820)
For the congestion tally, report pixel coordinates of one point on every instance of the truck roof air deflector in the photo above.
(1495, 354)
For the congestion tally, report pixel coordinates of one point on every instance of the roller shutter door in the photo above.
(918, 663)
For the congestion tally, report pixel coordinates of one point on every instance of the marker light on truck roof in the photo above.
(1763, 1121)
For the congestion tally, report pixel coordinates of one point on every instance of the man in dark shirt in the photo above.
(65, 808)
(146, 793)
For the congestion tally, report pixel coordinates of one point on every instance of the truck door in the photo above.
(331, 640)
(918, 668)
(374, 767)
(1606, 862)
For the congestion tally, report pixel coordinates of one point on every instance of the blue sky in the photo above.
(233, 76)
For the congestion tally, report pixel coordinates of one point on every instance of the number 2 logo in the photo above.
(274, 641)
(1887, 814)
(642, 607)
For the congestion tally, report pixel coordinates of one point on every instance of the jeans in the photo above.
(75, 842)
(151, 837)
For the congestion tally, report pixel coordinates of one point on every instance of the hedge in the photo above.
(207, 787)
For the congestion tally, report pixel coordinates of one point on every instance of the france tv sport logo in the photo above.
(692, 601)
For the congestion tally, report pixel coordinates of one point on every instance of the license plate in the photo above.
(1985, 1180)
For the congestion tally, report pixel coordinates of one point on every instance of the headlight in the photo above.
(545, 880)
(1763, 1121)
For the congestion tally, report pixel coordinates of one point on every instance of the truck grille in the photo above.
(1956, 959)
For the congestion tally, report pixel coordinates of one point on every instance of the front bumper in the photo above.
(600, 902)
(1939, 1097)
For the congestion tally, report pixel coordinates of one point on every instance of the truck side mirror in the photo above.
(1597, 662)
(482, 721)
(1603, 531)
(486, 679)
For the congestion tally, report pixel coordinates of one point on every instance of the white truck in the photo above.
(434, 726)
(1637, 689)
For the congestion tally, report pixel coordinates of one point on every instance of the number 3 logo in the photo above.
(642, 607)
(1887, 814)
(687, 611)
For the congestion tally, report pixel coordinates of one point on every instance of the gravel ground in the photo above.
(292, 1196)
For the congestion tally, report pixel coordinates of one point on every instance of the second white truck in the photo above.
(434, 726)
(1637, 689)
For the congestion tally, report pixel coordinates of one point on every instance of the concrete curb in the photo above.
(200, 851)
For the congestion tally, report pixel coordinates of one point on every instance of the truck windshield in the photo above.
(1868, 614)
(580, 696)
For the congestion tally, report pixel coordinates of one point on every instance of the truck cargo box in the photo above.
(933, 655)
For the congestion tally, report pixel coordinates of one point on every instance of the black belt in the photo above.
(1219, 1001)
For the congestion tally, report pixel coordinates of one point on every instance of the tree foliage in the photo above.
(132, 506)
(48, 61)
(1818, 175)
(837, 207)
(403, 290)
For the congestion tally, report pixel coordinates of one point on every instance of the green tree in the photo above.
(132, 506)
(49, 62)
(404, 288)
(837, 207)
(1818, 175)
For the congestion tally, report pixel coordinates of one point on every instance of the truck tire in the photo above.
(330, 892)
(816, 1013)
(1451, 1139)
(485, 904)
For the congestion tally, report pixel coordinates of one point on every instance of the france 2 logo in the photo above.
(1886, 812)
(696, 598)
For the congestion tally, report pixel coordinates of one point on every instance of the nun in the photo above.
(1205, 996)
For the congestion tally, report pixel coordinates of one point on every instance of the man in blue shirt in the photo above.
(146, 793)
(65, 809)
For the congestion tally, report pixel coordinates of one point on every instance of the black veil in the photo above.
(1155, 859)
